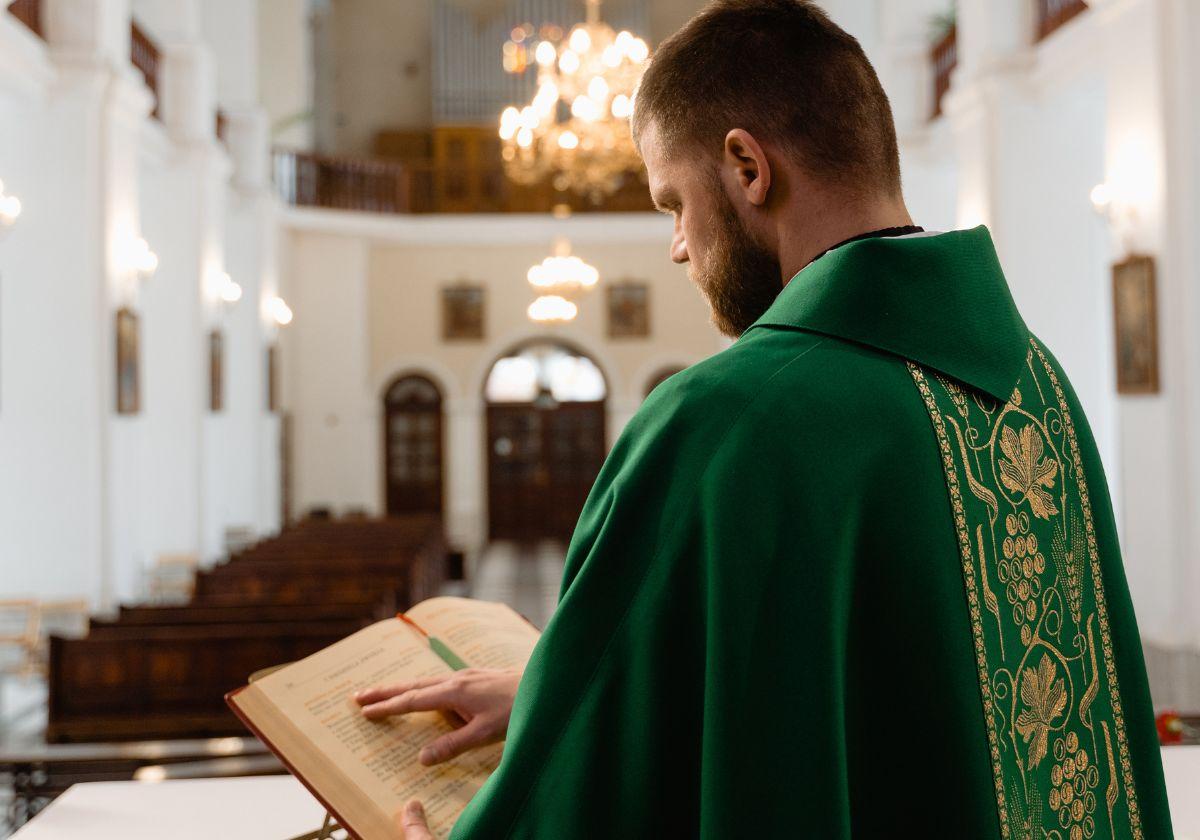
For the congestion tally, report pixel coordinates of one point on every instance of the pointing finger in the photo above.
(433, 698)
(383, 692)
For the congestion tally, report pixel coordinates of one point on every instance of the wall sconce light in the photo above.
(280, 311)
(10, 208)
(229, 291)
(1101, 196)
(140, 259)
(1121, 216)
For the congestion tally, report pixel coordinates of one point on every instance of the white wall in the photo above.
(285, 72)
(230, 29)
(89, 498)
(326, 368)
(50, 430)
(366, 293)
(383, 64)
(1109, 98)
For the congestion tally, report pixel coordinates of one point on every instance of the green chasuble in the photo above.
(855, 575)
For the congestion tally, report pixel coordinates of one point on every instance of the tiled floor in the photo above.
(524, 576)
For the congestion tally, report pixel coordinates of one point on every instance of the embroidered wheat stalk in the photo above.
(989, 597)
(1112, 792)
(1085, 705)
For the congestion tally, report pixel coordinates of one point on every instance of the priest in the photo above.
(856, 574)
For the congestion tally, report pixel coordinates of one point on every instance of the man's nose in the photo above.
(679, 253)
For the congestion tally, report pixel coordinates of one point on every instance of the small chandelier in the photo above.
(552, 309)
(576, 129)
(558, 279)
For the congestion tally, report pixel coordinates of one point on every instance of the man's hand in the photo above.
(411, 823)
(481, 697)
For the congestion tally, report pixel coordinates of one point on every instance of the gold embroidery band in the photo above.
(1027, 542)
(1101, 604)
(964, 544)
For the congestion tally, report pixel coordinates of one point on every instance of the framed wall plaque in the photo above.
(462, 313)
(628, 310)
(216, 371)
(1135, 325)
(128, 363)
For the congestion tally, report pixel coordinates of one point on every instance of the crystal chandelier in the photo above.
(557, 279)
(576, 129)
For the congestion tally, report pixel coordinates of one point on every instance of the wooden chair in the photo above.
(19, 637)
(67, 618)
(173, 578)
(239, 538)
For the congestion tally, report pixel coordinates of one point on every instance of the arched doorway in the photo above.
(545, 439)
(412, 429)
(659, 378)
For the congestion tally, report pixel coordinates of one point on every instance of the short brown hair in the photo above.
(782, 70)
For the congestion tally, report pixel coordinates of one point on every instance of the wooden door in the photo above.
(412, 411)
(542, 463)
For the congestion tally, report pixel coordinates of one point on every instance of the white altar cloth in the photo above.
(278, 807)
(247, 808)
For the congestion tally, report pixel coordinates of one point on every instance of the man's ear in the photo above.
(745, 158)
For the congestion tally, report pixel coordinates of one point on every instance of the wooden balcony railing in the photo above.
(309, 180)
(385, 186)
(146, 58)
(1052, 14)
(944, 57)
(29, 12)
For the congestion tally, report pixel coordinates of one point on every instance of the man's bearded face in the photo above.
(738, 275)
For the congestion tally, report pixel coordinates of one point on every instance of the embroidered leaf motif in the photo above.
(1045, 698)
(1025, 471)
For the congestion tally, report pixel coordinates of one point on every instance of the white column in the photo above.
(248, 144)
(269, 429)
(251, 445)
(193, 451)
(927, 158)
(984, 93)
(250, 451)
(92, 139)
(46, 469)
(465, 473)
(230, 29)
(1182, 67)
(286, 69)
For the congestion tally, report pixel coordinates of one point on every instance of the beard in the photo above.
(740, 277)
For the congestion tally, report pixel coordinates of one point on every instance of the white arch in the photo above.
(651, 367)
(498, 348)
(404, 364)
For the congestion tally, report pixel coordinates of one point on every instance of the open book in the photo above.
(364, 771)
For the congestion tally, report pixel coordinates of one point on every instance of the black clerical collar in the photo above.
(903, 230)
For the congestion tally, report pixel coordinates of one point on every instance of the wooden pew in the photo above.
(168, 681)
(162, 672)
(140, 615)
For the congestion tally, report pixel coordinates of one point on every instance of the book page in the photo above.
(483, 634)
(377, 757)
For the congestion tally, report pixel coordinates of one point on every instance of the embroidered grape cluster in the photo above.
(1074, 778)
(1020, 570)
